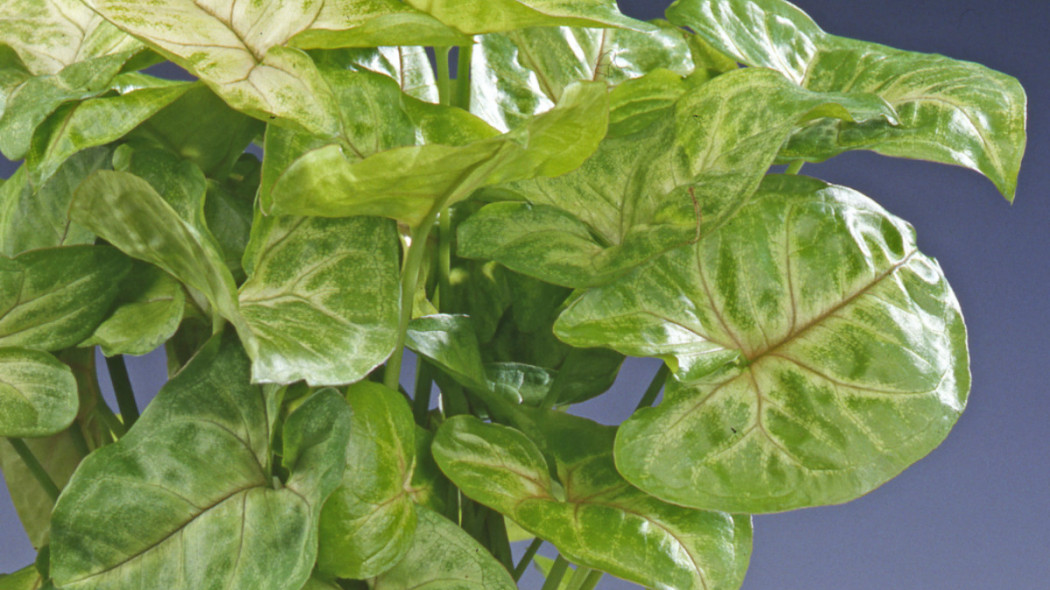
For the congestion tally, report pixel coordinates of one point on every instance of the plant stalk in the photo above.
(409, 278)
(113, 424)
(530, 552)
(421, 393)
(557, 572)
(462, 93)
(654, 387)
(118, 376)
(76, 433)
(794, 167)
(445, 260)
(443, 78)
(34, 466)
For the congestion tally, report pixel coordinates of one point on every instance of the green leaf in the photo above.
(368, 523)
(506, 15)
(199, 127)
(34, 217)
(38, 394)
(30, 99)
(94, 122)
(318, 298)
(594, 517)
(315, 583)
(517, 75)
(26, 578)
(585, 373)
(703, 161)
(443, 556)
(146, 316)
(228, 213)
(373, 24)
(409, 66)
(187, 520)
(950, 111)
(408, 183)
(53, 298)
(449, 342)
(128, 213)
(795, 386)
(49, 35)
(519, 383)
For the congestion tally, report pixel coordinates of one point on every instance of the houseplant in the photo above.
(806, 305)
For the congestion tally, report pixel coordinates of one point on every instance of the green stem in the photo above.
(444, 88)
(579, 577)
(499, 544)
(35, 468)
(530, 552)
(794, 167)
(118, 376)
(462, 96)
(654, 388)
(556, 574)
(421, 394)
(445, 260)
(409, 279)
(115, 426)
(79, 441)
(592, 580)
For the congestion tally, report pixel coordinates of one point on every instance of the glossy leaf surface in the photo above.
(147, 314)
(53, 298)
(950, 111)
(617, 211)
(36, 216)
(188, 521)
(505, 15)
(594, 517)
(318, 299)
(796, 386)
(408, 183)
(38, 394)
(368, 522)
(443, 556)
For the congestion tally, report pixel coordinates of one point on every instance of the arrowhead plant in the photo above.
(521, 192)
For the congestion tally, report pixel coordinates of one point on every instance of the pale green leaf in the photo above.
(147, 314)
(187, 520)
(375, 23)
(318, 298)
(950, 111)
(368, 522)
(506, 15)
(818, 354)
(443, 556)
(408, 183)
(409, 66)
(703, 160)
(450, 343)
(53, 298)
(27, 578)
(38, 394)
(94, 122)
(594, 517)
(36, 217)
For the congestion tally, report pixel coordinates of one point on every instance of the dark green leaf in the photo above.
(368, 522)
(797, 386)
(146, 316)
(594, 517)
(444, 557)
(53, 298)
(950, 111)
(38, 394)
(318, 298)
(186, 519)
(702, 161)
(36, 216)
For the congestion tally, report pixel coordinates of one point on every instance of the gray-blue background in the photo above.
(975, 514)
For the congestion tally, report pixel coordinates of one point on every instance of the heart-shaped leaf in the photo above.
(38, 394)
(796, 386)
(308, 322)
(950, 111)
(702, 161)
(368, 522)
(53, 298)
(594, 517)
(443, 556)
(188, 521)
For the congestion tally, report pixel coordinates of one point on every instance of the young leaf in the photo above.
(186, 520)
(38, 394)
(53, 298)
(147, 316)
(449, 342)
(308, 321)
(817, 354)
(950, 111)
(368, 522)
(702, 161)
(34, 217)
(408, 183)
(443, 556)
(594, 518)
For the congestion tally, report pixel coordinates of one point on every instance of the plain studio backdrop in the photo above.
(975, 514)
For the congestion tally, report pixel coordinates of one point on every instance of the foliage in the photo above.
(586, 187)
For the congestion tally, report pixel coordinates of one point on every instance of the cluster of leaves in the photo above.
(586, 187)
